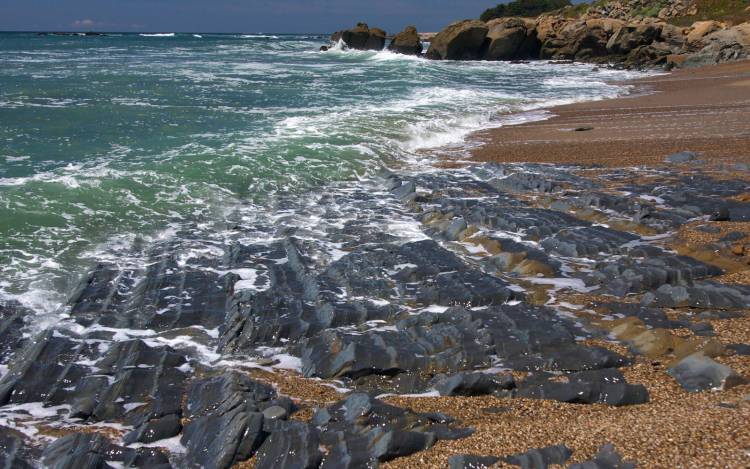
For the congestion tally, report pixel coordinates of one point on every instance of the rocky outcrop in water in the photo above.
(406, 42)
(462, 40)
(361, 37)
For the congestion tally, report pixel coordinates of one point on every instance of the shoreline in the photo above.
(530, 297)
(703, 110)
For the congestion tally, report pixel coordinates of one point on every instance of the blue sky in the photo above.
(294, 16)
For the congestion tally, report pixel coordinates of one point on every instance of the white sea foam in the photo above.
(158, 35)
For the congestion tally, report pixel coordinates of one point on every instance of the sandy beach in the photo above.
(703, 110)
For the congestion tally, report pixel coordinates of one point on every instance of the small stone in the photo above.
(582, 129)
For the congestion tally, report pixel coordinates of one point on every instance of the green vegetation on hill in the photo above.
(525, 8)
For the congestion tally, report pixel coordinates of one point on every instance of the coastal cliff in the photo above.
(626, 33)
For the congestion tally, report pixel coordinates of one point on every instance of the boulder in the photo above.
(511, 38)
(673, 36)
(697, 372)
(407, 42)
(578, 39)
(462, 40)
(630, 37)
(701, 29)
(361, 37)
(648, 56)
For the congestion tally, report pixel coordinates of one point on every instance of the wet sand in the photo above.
(705, 111)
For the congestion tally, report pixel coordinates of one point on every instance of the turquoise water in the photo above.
(107, 140)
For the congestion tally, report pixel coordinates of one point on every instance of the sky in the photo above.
(269, 16)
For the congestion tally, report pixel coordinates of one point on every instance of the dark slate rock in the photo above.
(14, 454)
(541, 458)
(682, 157)
(293, 444)
(525, 182)
(138, 373)
(733, 236)
(467, 461)
(654, 269)
(226, 420)
(697, 372)
(606, 386)
(652, 317)
(38, 369)
(522, 337)
(93, 451)
(11, 328)
(473, 384)
(699, 295)
(720, 214)
(361, 431)
(606, 458)
(566, 357)
(465, 288)
(155, 429)
(405, 191)
(703, 329)
(588, 241)
(740, 349)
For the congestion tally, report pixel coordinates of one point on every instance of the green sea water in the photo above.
(109, 140)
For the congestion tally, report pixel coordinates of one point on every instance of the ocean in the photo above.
(109, 143)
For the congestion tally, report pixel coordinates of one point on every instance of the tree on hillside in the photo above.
(530, 8)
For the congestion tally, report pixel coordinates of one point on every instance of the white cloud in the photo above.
(87, 23)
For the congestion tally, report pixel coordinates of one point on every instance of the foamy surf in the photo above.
(245, 119)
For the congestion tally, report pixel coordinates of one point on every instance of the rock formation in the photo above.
(361, 37)
(462, 40)
(631, 34)
(406, 42)
(511, 38)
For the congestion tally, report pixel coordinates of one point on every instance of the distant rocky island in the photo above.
(626, 33)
